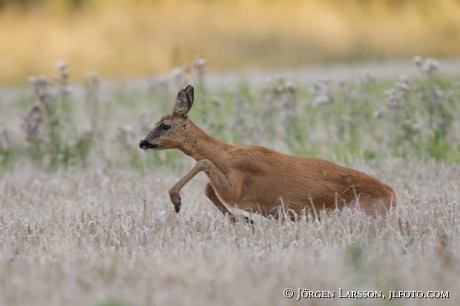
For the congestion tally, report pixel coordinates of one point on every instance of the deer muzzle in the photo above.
(145, 145)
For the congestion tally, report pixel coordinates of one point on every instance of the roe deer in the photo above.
(260, 180)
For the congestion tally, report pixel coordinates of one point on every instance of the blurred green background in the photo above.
(122, 39)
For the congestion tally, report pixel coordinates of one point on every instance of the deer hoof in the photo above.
(248, 220)
(177, 207)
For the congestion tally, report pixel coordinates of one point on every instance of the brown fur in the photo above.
(258, 179)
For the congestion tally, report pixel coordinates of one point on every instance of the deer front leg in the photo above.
(218, 179)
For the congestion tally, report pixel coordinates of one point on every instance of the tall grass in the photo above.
(52, 136)
(346, 121)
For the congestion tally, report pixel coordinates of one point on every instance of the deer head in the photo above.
(169, 132)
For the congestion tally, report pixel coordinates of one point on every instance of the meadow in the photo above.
(85, 217)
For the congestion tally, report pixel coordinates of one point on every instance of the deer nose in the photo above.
(144, 145)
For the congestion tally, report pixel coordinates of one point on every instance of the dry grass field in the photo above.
(85, 217)
(95, 237)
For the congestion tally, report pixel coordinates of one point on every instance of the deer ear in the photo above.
(190, 93)
(184, 101)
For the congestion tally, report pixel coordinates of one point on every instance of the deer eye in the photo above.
(165, 127)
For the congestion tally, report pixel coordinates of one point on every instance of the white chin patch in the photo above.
(148, 150)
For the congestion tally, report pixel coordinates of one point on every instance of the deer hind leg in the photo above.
(211, 194)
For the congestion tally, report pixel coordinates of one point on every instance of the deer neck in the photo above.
(200, 145)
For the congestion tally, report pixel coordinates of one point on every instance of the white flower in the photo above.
(404, 77)
(378, 113)
(199, 62)
(430, 65)
(417, 60)
(61, 64)
(403, 85)
(321, 100)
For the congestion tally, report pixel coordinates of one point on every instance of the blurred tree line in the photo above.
(24, 4)
(29, 3)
